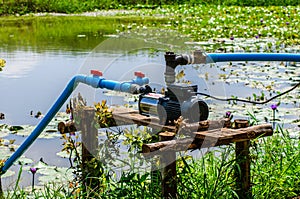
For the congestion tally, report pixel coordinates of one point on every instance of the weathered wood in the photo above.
(130, 116)
(89, 133)
(236, 135)
(168, 163)
(205, 125)
(209, 138)
(242, 152)
(239, 123)
(172, 145)
(89, 144)
(243, 181)
(165, 136)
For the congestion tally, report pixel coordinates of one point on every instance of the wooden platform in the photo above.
(202, 134)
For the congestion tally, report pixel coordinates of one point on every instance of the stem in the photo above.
(33, 182)
(70, 159)
(273, 119)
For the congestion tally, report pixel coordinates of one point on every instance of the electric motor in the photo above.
(179, 100)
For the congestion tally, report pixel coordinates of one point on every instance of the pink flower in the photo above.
(274, 107)
(33, 170)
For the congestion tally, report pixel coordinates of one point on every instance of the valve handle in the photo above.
(139, 74)
(96, 73)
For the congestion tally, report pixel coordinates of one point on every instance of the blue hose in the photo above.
(225, 57)
(94, 81)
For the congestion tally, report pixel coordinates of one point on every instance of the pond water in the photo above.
(43, 55)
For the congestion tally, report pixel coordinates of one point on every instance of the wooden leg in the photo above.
(243, 162)
(243, 173)
(168, 162)
(89, 140)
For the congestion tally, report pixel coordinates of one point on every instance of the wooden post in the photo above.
(89, 140)
(168, 163)
(243, 162)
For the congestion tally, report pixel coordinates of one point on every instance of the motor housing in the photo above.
(178, 100)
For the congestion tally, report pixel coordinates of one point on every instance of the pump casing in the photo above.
(178, 100)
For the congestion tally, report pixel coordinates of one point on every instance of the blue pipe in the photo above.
(225, 57)
(94, 81)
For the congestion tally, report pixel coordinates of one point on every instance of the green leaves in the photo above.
(2, 63)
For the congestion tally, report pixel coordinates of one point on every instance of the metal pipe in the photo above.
(225, 57)
(94, 81)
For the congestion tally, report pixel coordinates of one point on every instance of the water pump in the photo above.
(178, 99)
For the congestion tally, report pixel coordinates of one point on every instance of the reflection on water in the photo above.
(32, 81)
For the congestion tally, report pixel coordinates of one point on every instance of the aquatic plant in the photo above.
(33, 170)
(2, 64)
(104, 115)
(274, 110)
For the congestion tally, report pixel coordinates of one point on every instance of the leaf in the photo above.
(15, 128)
(2, 63)
(144, 177)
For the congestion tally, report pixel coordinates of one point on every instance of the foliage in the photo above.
(104, 115)
(276, 166)
(44, 32)
(65, 6)
(218, 23)
(212, 176)
(2, 63)
(223, 28)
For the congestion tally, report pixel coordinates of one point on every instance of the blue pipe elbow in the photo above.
(94, 81)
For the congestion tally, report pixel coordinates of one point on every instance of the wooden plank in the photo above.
(237, 134)
(205, 125)
(131, 116)
(209, 138)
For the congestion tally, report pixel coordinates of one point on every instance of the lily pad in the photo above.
(56, 174)
(24, 160)
(15, 128)
(65, 154)
(8, 174)
(4, 152)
